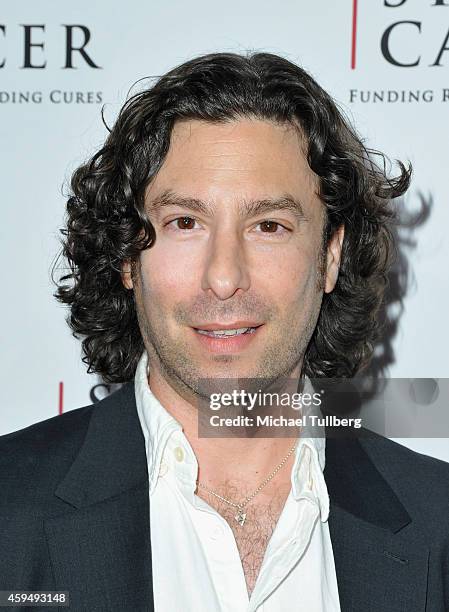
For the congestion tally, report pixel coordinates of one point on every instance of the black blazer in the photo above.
(74, 516)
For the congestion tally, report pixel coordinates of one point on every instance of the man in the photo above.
(233, 226)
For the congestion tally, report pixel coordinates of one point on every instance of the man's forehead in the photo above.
(245, 165)
(238, 151)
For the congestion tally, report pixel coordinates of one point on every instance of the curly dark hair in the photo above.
(107, 223)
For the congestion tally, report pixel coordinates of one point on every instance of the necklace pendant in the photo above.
(240, 517)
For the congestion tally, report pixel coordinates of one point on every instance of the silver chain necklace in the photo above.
(241, 515)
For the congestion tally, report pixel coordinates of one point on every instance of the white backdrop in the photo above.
(45, 133)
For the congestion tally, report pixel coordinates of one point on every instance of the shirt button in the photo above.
(179, 454)
(217, 533)
(163, 469)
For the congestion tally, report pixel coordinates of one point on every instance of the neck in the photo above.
(242, 462)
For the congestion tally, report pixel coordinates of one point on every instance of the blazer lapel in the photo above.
(381, 562)
(100, 549)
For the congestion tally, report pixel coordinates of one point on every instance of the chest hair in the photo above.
(261, 519)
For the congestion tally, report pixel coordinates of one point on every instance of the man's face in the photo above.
(238, 245)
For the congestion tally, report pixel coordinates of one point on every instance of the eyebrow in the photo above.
(247, 208)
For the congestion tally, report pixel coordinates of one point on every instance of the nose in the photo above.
(225, 271)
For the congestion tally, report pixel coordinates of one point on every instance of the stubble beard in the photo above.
(172, 356)
(282, 354)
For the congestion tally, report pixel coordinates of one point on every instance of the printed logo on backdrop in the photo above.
(410, 37)
(34, 41)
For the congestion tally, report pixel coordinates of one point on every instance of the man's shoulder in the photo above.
(33, 460)
(45, 437)
(420, 481)
(58, 431)
(404, 460)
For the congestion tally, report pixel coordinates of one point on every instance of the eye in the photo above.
(271, 227)
(183, 223)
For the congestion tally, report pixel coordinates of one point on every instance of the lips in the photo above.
(236, 325)
(226, 333)
(226, 338)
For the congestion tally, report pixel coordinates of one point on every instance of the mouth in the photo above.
(226, 333)
(226, 339)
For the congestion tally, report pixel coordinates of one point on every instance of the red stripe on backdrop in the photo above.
(354, 33)
(61, 397)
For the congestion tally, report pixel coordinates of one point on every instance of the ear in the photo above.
(333, 258)
(126, 274)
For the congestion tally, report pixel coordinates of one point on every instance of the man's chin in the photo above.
(225, 367)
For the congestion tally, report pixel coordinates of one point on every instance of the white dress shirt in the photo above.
(195, 560)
